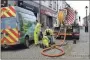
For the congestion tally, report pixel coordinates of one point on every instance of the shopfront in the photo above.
(47, 17)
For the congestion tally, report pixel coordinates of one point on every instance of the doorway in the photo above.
(49, 21)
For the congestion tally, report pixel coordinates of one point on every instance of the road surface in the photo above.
(72, 51)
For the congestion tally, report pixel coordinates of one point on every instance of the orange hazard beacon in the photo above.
(14, 28)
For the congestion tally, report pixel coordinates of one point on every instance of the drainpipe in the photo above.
(39, 10)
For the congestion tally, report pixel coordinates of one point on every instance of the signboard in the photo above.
(47, 12)
(4, 3)
(30, 7)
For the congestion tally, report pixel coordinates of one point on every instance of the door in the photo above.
(49, 21)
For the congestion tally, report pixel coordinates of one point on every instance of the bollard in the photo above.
(74, 41)
(86, 29)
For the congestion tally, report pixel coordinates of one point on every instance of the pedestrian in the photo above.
(45, 41)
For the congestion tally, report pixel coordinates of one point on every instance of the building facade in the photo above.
(45, 11)
(49, 4)
(61, 5)
(49, 11)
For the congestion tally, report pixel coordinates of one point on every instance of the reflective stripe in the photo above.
(10, 39)
(11, 34)
(13, 14)
(8, 11)
(6, 14)
(16, 31)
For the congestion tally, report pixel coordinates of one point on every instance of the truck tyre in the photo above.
(77, 38)
(26, 42)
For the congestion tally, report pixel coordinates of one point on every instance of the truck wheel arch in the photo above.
(27, 36)
(26, 44)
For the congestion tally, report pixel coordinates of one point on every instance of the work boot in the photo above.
(36, 44)
(44, 46)
(52, 43)
(41, 45)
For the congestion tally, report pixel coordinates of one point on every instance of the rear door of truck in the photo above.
(9, 30)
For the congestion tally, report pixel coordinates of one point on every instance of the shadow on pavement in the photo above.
(16, 47)
(67, 38)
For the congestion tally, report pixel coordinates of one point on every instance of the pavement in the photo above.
(79, 51)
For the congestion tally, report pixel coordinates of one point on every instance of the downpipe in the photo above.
(55, 46)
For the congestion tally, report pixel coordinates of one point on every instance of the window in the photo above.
(8, 22)
(54, 5)
(44, 0)
(28, 21)
(50, 3)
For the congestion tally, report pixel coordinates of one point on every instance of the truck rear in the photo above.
(9, 29)
(67, 17)
(17, 26)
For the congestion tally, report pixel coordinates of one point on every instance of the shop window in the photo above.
(54, 5)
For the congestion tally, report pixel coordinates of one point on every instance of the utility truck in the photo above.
(69, 18)
(17, 26)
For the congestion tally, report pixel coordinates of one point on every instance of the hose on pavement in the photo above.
(55, 46)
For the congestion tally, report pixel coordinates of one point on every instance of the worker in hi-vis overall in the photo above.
(37, 32)
(48, 37)
(45, 41)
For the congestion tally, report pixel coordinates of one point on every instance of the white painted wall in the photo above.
(61, 4)
(47, 3)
